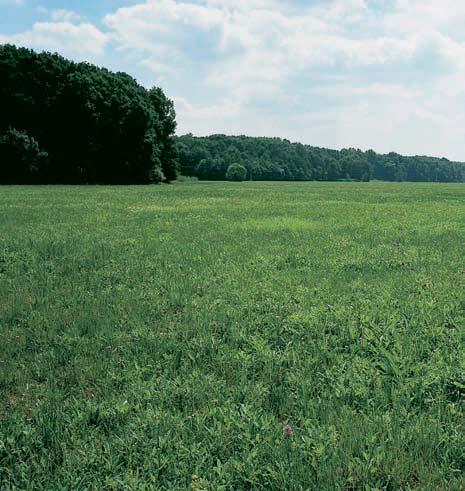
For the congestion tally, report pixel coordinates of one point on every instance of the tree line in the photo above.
(66, 122)
(278, 159)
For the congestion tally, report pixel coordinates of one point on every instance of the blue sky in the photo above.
(381, 74)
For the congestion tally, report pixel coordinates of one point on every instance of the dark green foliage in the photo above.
(96, 126)
(21, 160)
(276, 159)
(236, 172)
(165, 128)
(213, 169)
(395, 167)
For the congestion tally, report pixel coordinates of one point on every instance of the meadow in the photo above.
(163, 337)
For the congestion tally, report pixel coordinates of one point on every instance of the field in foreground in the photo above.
(161, 337)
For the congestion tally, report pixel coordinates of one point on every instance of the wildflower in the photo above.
(288, 431)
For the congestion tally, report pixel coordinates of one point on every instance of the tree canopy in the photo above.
(279, 159)
(86, 124)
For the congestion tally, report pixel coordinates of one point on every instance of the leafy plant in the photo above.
(236, 172)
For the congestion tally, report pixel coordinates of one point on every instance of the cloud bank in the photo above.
(382, 74)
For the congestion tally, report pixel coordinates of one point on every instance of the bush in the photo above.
(236, 172)
(21, 158)
(155, 175)
(182, 178)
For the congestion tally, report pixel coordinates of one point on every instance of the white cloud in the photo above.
(144, 26)
(63, 15)
(266, 65)
(247, 42)
(426, 15)
(381, 73)
(81, 41)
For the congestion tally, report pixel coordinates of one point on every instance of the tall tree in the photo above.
(94, 125)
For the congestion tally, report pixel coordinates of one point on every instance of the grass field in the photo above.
(161, 337)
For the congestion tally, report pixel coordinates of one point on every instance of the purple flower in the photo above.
(288, 431)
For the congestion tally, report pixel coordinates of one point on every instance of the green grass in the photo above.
(153, 334)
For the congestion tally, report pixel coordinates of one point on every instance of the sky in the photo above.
(381, 74)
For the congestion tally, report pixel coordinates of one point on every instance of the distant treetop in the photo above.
(279, 159)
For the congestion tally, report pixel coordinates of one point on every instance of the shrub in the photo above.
(236, 172)
(182, 178)
(20, 157)
(155, 175)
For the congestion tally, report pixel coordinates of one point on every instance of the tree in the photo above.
(236, 172)
(21, 158)
(165, 130)
(276, 159)
(95, 125)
